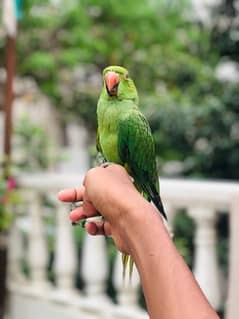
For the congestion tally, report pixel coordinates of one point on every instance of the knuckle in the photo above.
(91, 174)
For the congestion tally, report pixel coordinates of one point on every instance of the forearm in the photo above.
(170, 289)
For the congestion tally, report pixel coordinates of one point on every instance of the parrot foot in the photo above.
(106, 164)
(75, 205)
(82, 222)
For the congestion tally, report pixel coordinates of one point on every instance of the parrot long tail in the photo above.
(127, 261)
(158, 203)
(152, 194)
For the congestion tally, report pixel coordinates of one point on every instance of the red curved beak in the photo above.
(112, 81)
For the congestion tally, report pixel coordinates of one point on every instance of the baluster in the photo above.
(206, 268)
(232, 310)
(95, 266)
(65, 263)
(15, 254)
(127, 289)
(37, 254)
(78, 148)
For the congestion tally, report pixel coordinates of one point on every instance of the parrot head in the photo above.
(118, 84)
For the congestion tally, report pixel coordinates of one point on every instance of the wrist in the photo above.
(140, 225)
(143, 226)
(131, 210)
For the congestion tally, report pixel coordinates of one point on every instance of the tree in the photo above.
(171, 57)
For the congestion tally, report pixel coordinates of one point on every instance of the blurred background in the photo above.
(183, 56)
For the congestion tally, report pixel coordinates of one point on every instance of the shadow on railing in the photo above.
(202, 201)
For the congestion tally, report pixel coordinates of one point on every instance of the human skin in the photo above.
(170, 289)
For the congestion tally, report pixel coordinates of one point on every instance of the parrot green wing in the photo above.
(137, 152)
(100, 158)
(98, 146)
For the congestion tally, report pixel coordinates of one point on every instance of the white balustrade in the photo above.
(206, 269)
(15, 254)
(37, 253)
(77, 149)
(127, 288)
(94, 266)
(65, 262)
(202, 201)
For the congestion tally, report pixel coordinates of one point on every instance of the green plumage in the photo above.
(124, 135)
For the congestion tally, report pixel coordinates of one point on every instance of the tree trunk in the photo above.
(3, 272)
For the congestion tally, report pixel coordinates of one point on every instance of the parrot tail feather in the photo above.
(158, 203)
(127, 261)
(131, 267)
(151, 193)
(155, 197)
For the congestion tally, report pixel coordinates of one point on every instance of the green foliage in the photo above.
(222, 226)
(8, 198)
(204, 138)
(4, 216)
(225, 29)
(171, 58)
(154, 41)
(42, 62)
(33, 147)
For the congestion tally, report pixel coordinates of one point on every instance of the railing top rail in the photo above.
(218, 194)
(49, 181)
(179, 192)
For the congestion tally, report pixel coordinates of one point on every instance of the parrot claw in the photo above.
(106, 164)
(82, 222)
(75, 205)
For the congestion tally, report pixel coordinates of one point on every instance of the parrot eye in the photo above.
(126, 76)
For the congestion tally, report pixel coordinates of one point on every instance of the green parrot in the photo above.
(124, 136)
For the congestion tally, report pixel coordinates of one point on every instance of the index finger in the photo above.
(71, 194)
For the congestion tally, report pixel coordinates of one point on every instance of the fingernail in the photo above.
(59, 194)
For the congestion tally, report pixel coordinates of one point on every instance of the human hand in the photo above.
(110, 192)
